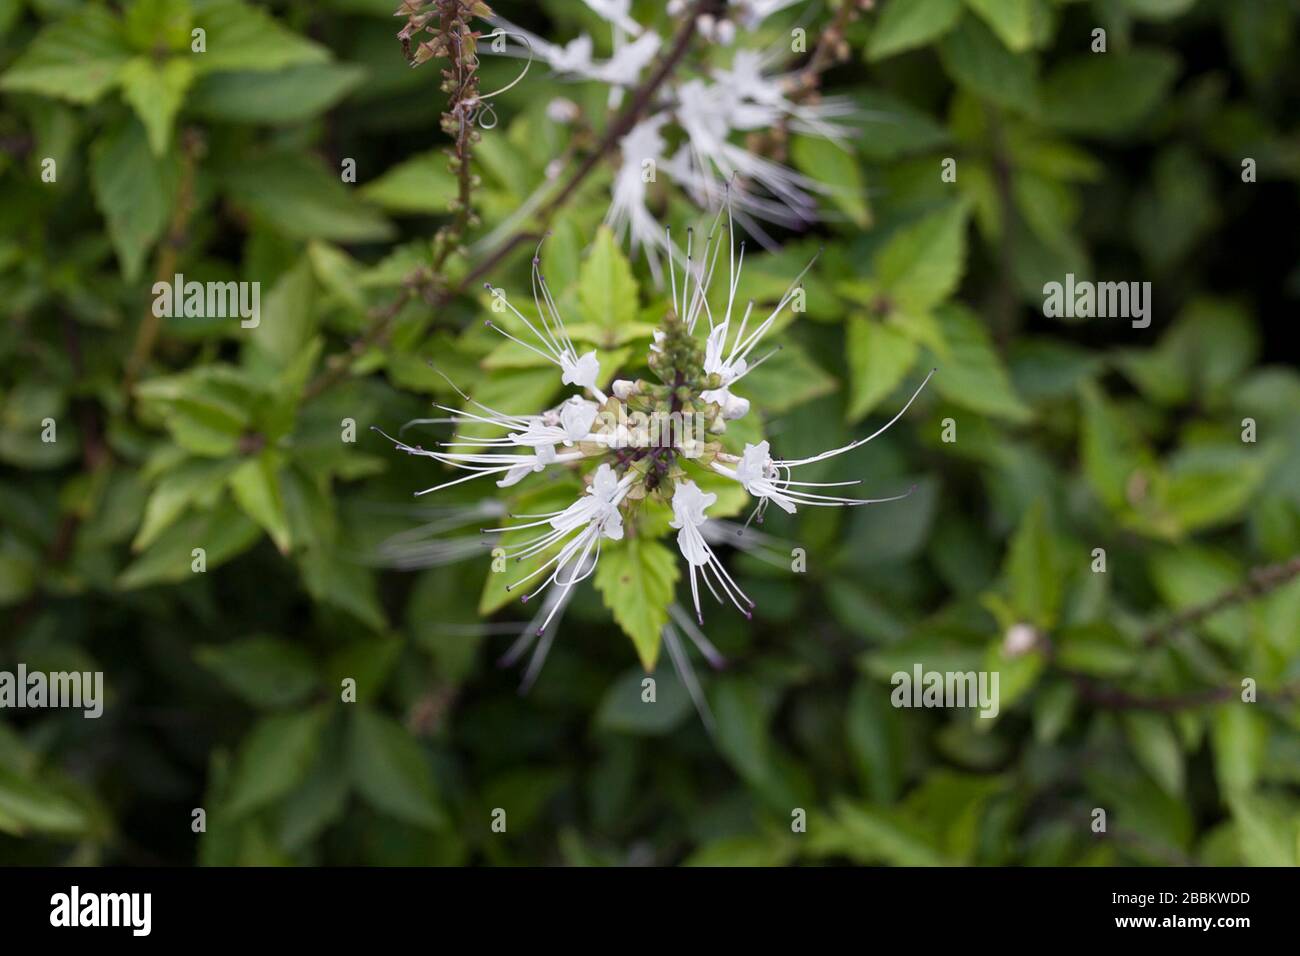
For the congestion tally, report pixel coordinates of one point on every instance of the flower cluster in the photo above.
(690, 134)
(699, 355)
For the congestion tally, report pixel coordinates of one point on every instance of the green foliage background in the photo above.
(223, 686)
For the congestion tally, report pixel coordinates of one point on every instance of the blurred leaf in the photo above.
(1157, 749)
(265, 671)
(256, 488)
(274, 758)
(1032, 570)
(304, 201)
(1239, 737)
(834, 164)
(293, 95)
(243, 37)
(906, 24)
(390, 771)
(978, 62)
(78, 59)
(421, 184)
(879, 358)
(624, 711)
(156, 92)
(1109, 94)
(972, 375)
(134, 189)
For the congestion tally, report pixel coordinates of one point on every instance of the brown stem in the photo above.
(1113, 698)
(147, 332)
(1259, 581)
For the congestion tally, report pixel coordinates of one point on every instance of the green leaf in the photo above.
(1111, 451)
(878, 358)
(333, 578)
(606, 288)
(134, 189)
(623, 711)
(1266, 829)
(978, 62)
(197, 482)
(1156, 747)
(787, 380)
(155, 26)
(242, 37)
(1239, 739)
(875, 741)
(273, 759)
(921, 264)
(1012, 20)
(256, 487)
(420, 185)
(743, 850)
(880, 835)
(834, 165)
(222, 533)
(1107, 94)
(265, 671)
(1032, 571)
(1260, 35)
(390, 771)
(77, 59)
(906, 24)
(303, 200)
(156, 91)
(637, 581)
(973, 375)
(293, 95)
(28, 806)
(288, 317)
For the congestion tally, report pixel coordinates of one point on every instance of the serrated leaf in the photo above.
(972, 375)
(77, 59)
(921, 264)
(878, 358)
(637, 582)
(606, 289)
(156, 91)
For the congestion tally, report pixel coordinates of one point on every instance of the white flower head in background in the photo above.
(706, 116)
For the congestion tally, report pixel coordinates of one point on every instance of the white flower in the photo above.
(594, 516)
(752, 13)
(749, 95)
(688, 515)
(628, 214)
(617, 12)
(553, 342)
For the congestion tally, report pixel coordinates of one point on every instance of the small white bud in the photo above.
(1019, 639)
